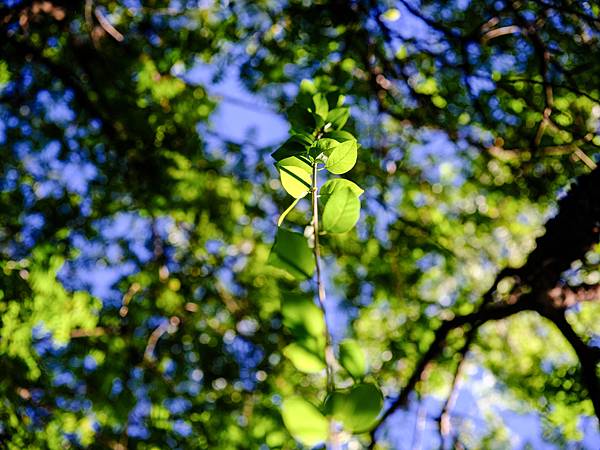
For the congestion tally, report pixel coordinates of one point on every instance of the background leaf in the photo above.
(304, 359)
(304, 421)
(358, 408)
(352, 358)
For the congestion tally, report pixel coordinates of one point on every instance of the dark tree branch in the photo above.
(569, 235)
(495, 311)
(589, 357)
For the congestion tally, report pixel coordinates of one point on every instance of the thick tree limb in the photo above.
(589, 357)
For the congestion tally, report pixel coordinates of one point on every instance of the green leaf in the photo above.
(324, 146)
(357, 409)
(286, 212)
(304, 421)
(303, 358)
(342, 211)
(338, 117)
(352, 358)
(307, 87)
(296, 145)
(337, 183)
(301, 316)
(291, 253)
(340, 135)
(321, 106)
(295, 176)
(342, 158)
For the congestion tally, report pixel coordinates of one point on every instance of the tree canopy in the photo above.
(414, 262)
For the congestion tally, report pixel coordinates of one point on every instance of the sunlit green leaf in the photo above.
(323, 146)
(302, 315)
(286, 212)
(391, 15)
(304, 421)
(337, 183)
(295, 176)
(342, 210)
(342, 158)
(321, 105)
(338, 117)
(340, 135)
(296, 145)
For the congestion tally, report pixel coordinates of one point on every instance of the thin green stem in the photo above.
(329, 355)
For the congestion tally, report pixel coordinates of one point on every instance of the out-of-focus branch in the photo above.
(566, 296)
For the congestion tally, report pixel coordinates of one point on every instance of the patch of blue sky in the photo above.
(182, 428)
(189, 387)
(383, 215)
(226, 277)
(439, 158)
(52, 174)
(410, 26)
(503, 62)
(37, 416)
(31, 227)
(116, 387)
(240, 113)
(470, 407)
(248, 356)
(2, 130)
(480, 83)
(43, 343)
(177, 405)
(56, 109)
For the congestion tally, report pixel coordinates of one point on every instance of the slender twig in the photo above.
(107, 26)
(420, 421)
(445, 424)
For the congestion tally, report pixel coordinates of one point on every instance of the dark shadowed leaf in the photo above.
(291, 253)
(357, 409)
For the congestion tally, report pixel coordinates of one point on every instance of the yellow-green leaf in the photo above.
(295, 176)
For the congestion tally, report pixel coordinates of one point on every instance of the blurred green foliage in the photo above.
(472, 119)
